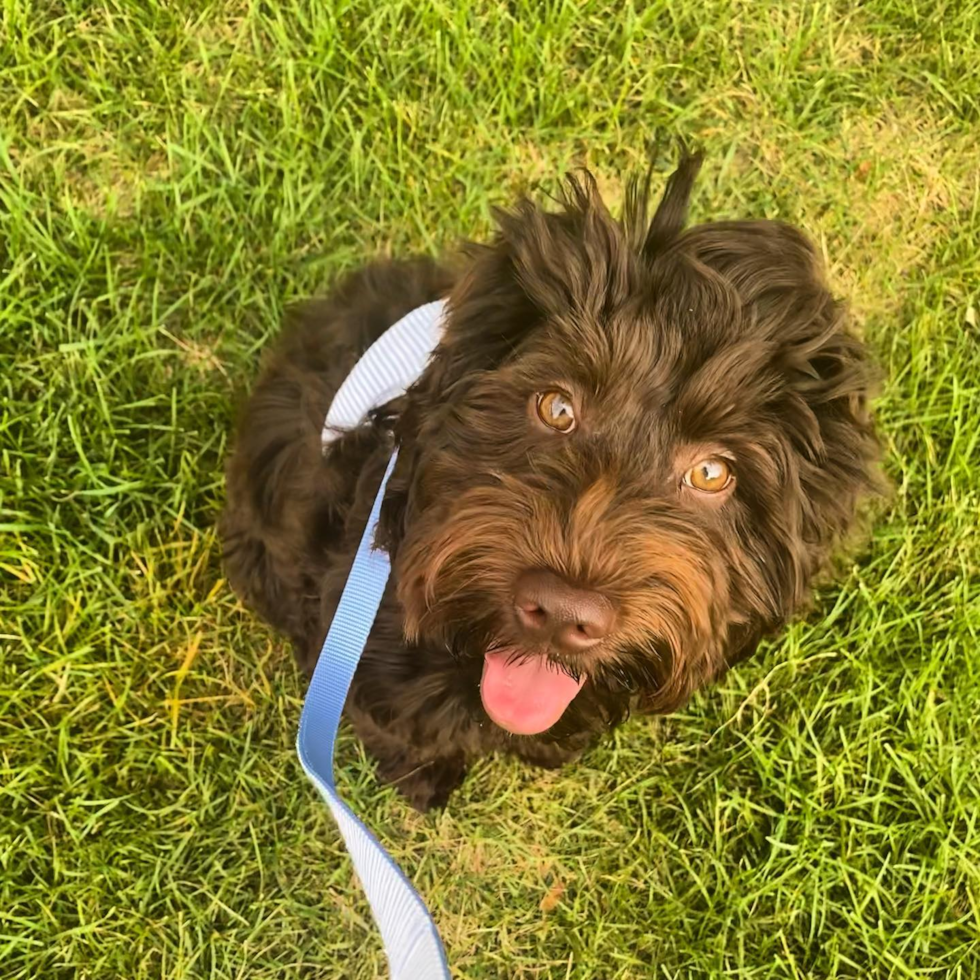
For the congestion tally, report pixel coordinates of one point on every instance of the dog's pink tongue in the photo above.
(525, 697)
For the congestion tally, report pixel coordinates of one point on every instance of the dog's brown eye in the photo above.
(710, 475)
(555, 410)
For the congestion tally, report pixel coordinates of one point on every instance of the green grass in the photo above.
(171, 174)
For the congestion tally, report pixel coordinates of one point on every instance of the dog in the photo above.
(631, 452)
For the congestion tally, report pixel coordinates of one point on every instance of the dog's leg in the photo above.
(426, 785)
(425, 775)
(549, 755)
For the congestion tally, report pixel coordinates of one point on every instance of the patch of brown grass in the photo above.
(91, 166)
(904, 177)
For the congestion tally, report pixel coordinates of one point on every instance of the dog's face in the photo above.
(629, 456)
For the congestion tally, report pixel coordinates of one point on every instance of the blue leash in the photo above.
(410, 936)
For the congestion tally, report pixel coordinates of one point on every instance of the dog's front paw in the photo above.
(426, 785)
(549, 755)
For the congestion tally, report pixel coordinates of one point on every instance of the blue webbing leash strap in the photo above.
(410, 936)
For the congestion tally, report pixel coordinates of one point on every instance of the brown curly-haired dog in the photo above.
(626, 460)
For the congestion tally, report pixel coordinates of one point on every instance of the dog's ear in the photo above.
(813, 380)
(488, 314)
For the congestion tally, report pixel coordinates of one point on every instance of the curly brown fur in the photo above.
(672, 346)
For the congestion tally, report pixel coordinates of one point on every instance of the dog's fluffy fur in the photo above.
(673, 345)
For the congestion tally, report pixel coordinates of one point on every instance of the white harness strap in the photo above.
(387, 369)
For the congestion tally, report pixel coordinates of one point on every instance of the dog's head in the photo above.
(629, 456)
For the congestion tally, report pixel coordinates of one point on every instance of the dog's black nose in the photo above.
(550, 610)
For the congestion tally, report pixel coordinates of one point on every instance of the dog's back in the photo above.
(286, 510)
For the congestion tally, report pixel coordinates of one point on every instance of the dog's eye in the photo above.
(555, 410)
(711, 475)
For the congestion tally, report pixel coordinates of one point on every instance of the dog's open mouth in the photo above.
(525, 695)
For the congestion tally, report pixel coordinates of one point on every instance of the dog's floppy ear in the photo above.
(488, 315)
(814, 378)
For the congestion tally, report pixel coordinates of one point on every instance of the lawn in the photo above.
(171, 176)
